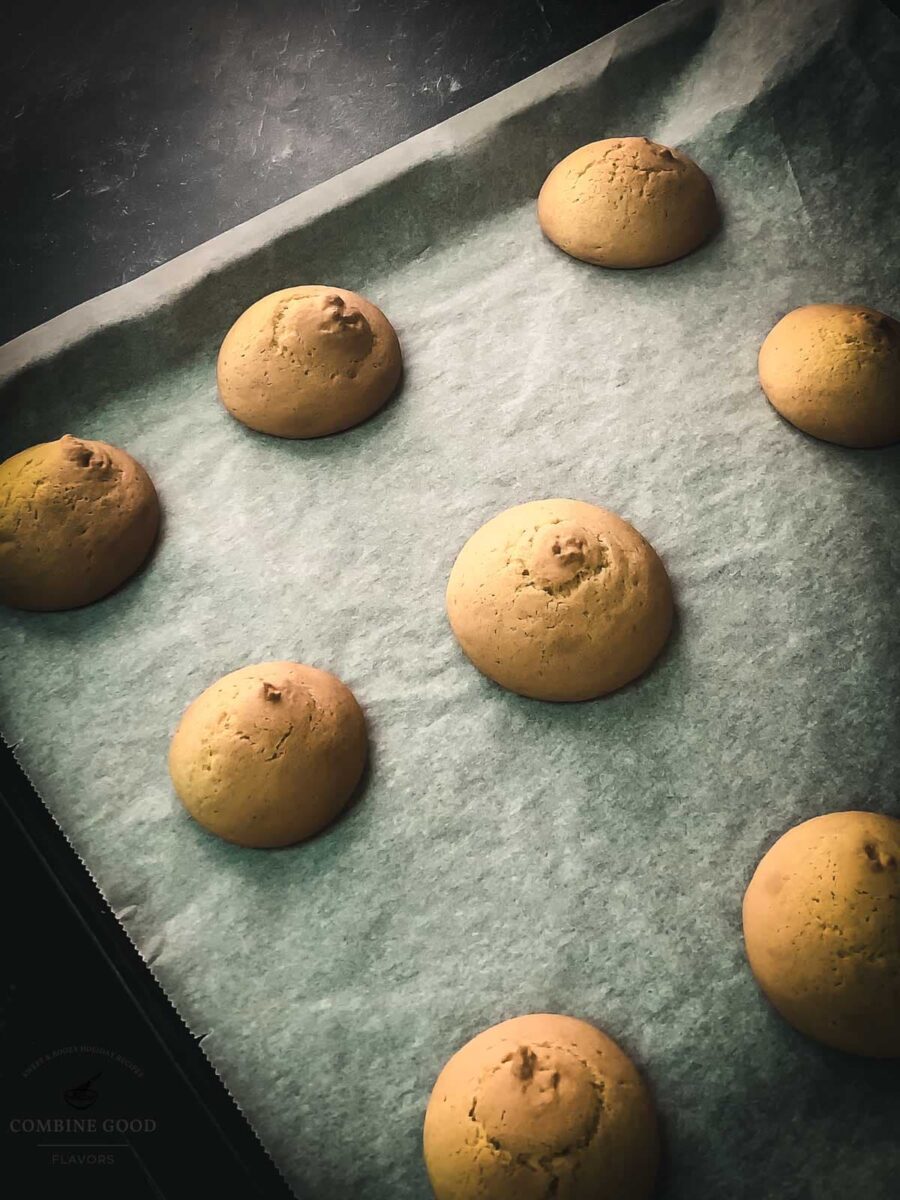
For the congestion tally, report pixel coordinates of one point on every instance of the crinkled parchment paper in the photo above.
(508, 856)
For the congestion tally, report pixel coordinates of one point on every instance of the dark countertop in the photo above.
(136, 131)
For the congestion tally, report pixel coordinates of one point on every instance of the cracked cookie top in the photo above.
(540, 1106)
(539, 1102)
(309, 361)
(77, 518)
(270, 754)
(559, 600)
(833, 370)
(627, 202)
(822, 930)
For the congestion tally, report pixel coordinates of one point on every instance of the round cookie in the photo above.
(822, 930)
(305, 362)
(627, 202)
(559, 600)
(269, 754)
(537, 1106)
(77, 518)
(833, 370)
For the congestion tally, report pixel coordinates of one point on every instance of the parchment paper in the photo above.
(507, 856)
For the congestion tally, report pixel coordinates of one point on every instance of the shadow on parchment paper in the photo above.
(582, 738)
(433, 202)
(787, 1104)
(864, 637)
(843, 137)
(832, 127)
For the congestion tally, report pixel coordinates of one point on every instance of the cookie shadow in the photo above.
(848, 1104)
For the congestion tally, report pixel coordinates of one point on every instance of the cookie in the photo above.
(559, 600)
(833, 370)
(541, 1106)
(77, 518)
(627, 202)
(822, 930)
(308, 361)
(270, 754)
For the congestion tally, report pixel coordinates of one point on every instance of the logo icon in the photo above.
(82, 1095)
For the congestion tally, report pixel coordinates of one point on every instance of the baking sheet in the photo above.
(507, 856)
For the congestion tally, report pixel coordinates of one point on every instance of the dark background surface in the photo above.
(132, 132)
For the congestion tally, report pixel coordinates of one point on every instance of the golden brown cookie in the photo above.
(269, 754)
(833, 370)
(77, 518)
(308, 361)
(627, 202)
(541, 1106)
(559, 600)
(822, 930)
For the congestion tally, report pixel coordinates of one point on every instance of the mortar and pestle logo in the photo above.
(82, 1095)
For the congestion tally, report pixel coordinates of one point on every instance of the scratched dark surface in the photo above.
(131, 132)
